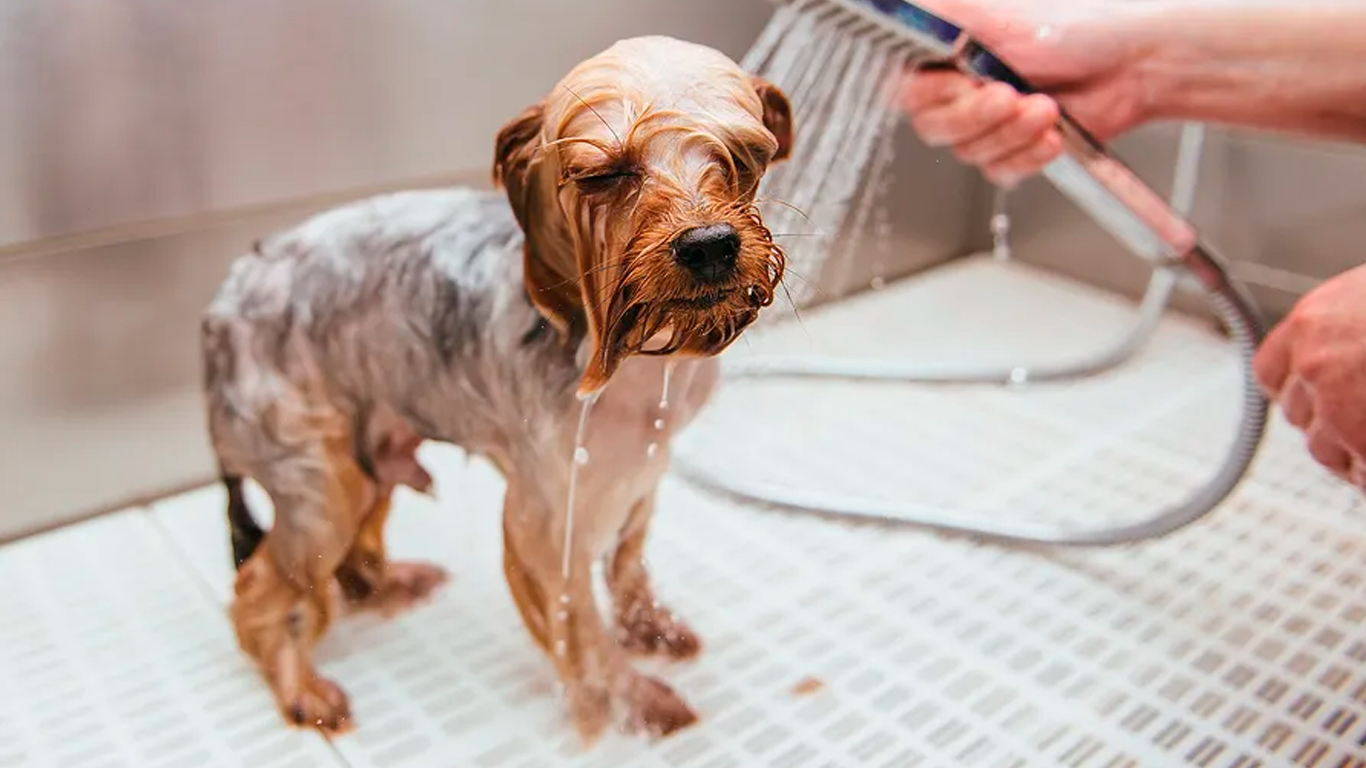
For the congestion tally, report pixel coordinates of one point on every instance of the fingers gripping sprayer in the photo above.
(1117, 200)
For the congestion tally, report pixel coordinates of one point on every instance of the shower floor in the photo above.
(1238, 642)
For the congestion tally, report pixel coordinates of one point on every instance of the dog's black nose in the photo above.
(708, 252)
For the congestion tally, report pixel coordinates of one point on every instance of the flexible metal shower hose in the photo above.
(1233, 308)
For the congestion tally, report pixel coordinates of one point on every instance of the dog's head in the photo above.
(635, 181)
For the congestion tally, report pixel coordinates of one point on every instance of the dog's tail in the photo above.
(246, 534)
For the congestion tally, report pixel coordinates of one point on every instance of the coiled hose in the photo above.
(1233, 307)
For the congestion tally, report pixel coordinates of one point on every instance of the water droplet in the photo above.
(651, 449)
(878, 283)
(564, 599)
(560, 648)
(562, 615)
(580, 458)
(664, 394)
(659, 423)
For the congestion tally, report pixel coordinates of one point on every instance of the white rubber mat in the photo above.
(1239, 642)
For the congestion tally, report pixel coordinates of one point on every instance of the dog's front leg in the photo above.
(644, 625)
(560, 613)
(559, 609)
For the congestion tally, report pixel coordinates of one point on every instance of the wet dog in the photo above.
(624, 252)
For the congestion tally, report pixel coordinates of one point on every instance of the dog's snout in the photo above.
(709, 252)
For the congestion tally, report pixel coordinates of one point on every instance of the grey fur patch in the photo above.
(410, 304)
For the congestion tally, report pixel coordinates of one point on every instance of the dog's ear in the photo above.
(553, 288)
(777, 115)
(548, 262)
(513, 153)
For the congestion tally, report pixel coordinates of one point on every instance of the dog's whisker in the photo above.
(796, 313)
(803, 278)
(593, 270)
(789, 206)
(587, 272)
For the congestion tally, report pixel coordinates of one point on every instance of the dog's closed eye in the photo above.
(748, 164)
(604, 181)
(755, 156)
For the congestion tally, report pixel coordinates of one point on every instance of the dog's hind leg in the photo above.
(370, 580)
(644, 625)
(284, 600)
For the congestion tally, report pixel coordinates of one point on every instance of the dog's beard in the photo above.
(644, 304)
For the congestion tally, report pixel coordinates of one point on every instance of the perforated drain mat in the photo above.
(1239, 642)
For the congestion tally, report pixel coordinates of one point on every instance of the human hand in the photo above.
(1314, 366)
(1078, 53)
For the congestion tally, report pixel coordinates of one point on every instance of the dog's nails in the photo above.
(296, 713)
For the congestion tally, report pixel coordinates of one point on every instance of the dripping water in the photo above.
(653, 447)
(1000, 225)
(580, 458)
(664, 395)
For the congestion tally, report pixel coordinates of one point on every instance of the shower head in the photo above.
(1086, 173)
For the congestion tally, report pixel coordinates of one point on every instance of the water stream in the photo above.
(653, 447)
(827, 205)
(580, 459)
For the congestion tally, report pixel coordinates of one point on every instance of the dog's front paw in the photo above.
(655, 709)
(591, 707)
(652, 629)
(318, 703)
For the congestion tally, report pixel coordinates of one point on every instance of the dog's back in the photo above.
(383, 321)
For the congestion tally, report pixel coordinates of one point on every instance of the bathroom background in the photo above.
(145, 143)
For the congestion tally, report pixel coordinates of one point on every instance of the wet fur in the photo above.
(333, 349)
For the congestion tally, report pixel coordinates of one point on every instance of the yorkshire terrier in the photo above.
(624, 252)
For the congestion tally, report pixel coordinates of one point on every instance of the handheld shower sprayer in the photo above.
(1116, 199)
(1086, 173)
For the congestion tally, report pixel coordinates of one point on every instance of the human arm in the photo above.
(1280, 65)
(1295, 66)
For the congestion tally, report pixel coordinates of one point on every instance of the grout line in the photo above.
(118, 234)
(145, 500)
